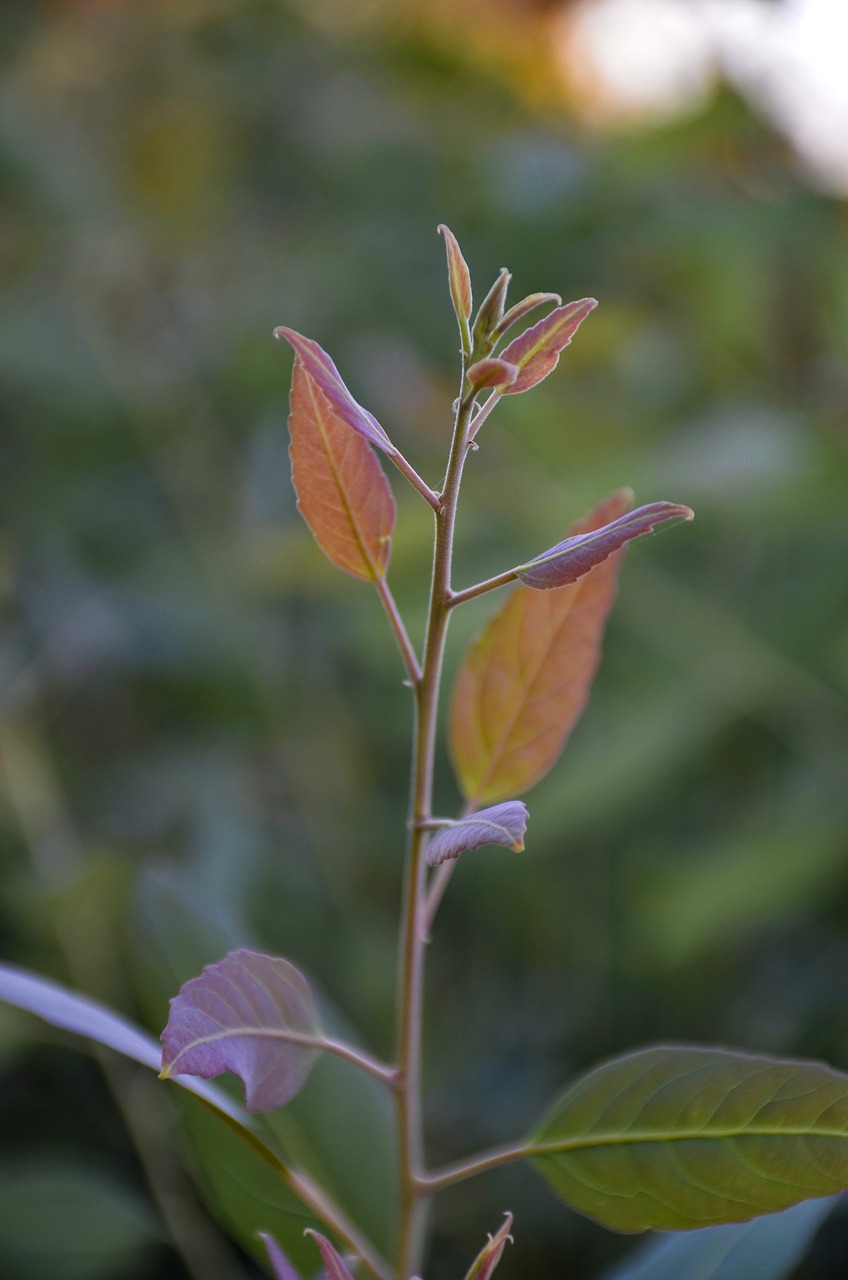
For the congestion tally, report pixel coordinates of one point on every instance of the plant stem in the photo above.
(410, 658)
(406, 469)
(413, 1193)
(316, 1198)
(462, 1169)
(480, 588)
(358, 1057)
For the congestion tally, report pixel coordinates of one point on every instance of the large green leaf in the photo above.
(677, 1137)
(765, 1249)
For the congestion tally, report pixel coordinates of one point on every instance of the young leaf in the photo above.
(571, 559)
(459, 281)
(342, 492)
(768, 1248)
(503, 824)
(523, 308)
(526, 679)
(678, 1136)
(536, 351)
(65, 1009)
(280, 1265)
(492, 372)
(249, 1014)
(336, 1269)
(491, 312)
(326, 376)
(489, 1256)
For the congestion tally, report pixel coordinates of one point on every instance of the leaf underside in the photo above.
(526, 679)
(503, 824)
(677, 1137)
(239, 1016)
(342, 492)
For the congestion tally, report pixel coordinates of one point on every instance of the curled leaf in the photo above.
(523, 308)
(537, 350)
(326, 376)
(503, 824)
(280, 1265)
(571, 559)
(526, 679)
(682, 1136)
(335, 1268)
(492, 372)
(491, 312)
(489, 1256)
(459, 282)
(342, 492)
(250, 1014)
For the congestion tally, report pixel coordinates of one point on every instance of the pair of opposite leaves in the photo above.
(526, 680)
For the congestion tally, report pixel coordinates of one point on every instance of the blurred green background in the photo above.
(203, 731)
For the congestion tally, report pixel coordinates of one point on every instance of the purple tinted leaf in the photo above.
(250, 1014)
(503, 824)
(536, 351)
(523, 308)
(336, 1269)
(490, 1255)
(571, 559)
(280, 1265)
(492, 372)
(65, 1009)
(324, 373)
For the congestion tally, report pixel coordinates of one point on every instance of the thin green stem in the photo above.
(462, 1169)
(413, 1195)
(410, 658)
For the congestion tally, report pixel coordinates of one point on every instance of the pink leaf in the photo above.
(492, 372)
(490, 1255)
(250, 1014)
(503, 824)
(575, 556)
(536, 351)
(459, 280)
(324, 373)
(336, 1269)
(523, 308)
(280, 1265)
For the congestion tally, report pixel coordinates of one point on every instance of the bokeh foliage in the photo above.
(203, 732)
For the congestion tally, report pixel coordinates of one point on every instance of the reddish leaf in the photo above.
(503, 824)
(526, 679)
(336, 1269)
(249, 1014)
(342, 492)
(324, 373)
(280, 1265)
(490, 1255)
(492, 372)
(571, 559)
(536, 351)
(459, 281)
(523, 308)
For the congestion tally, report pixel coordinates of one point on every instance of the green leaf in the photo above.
(677, 1137)
(766, 1249)
(64, 1219)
